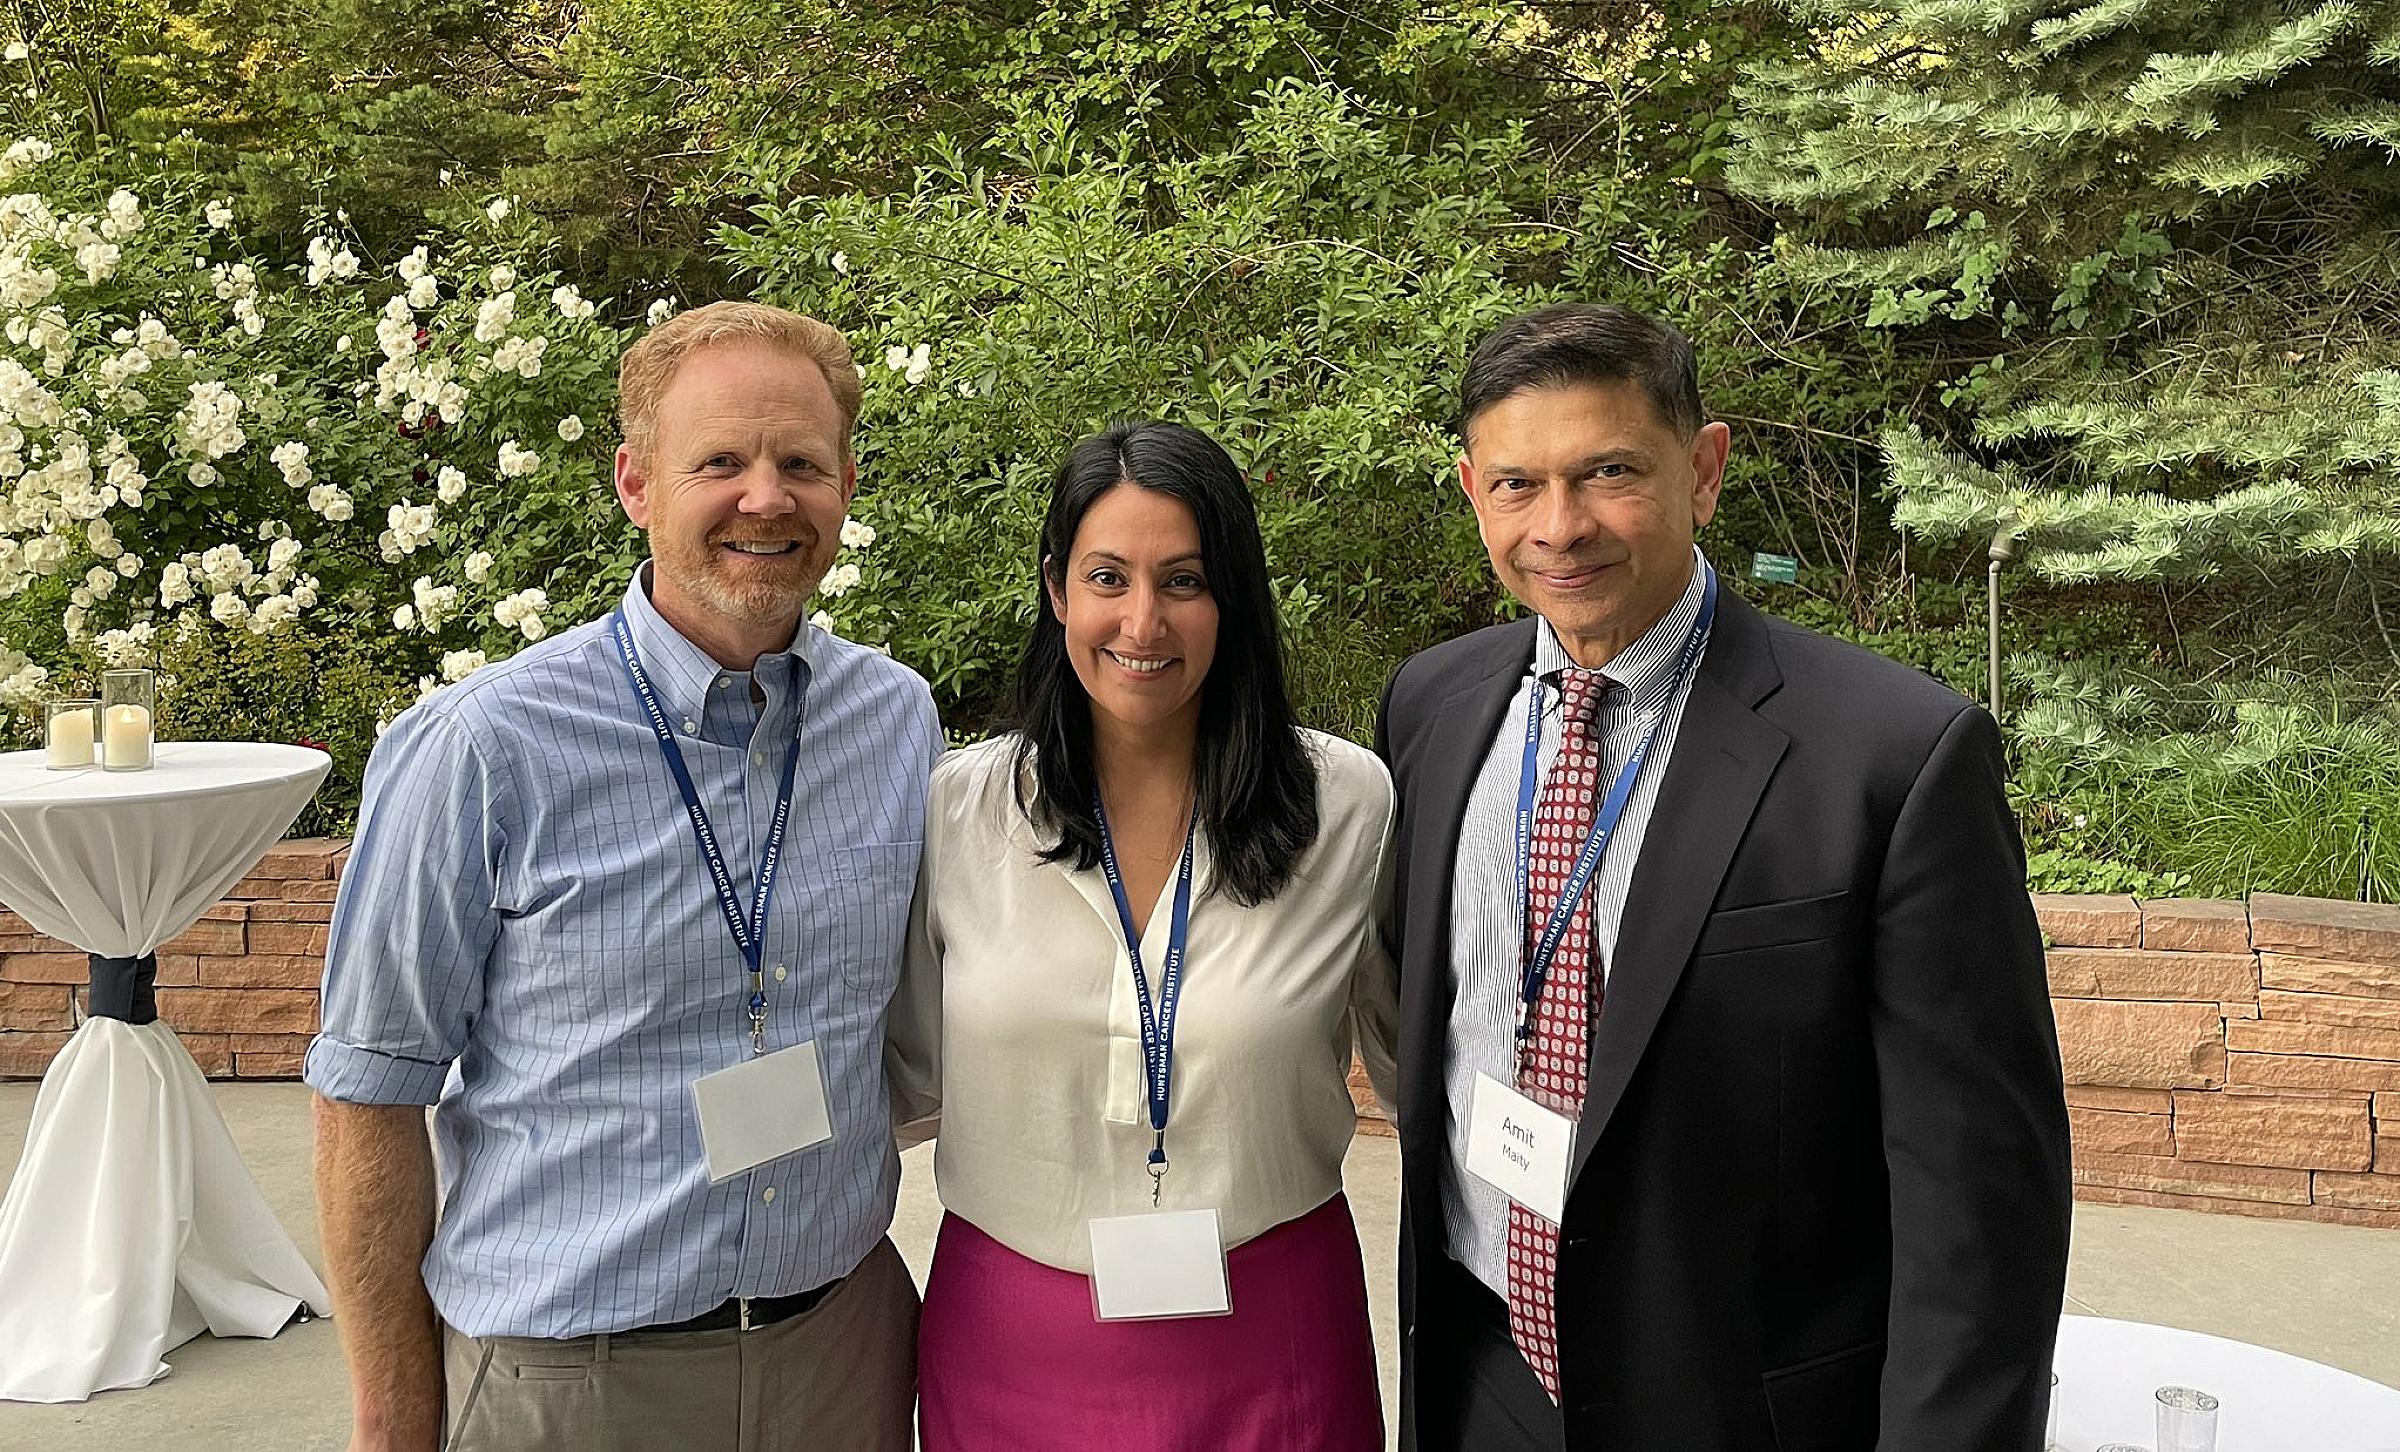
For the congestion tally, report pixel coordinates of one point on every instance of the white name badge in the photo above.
(762, 1109)
(1166, 1263)
(1520, 1148)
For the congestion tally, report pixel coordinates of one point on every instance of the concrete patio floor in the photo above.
(2326, 1292)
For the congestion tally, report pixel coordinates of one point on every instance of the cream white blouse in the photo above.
(1016, 1019)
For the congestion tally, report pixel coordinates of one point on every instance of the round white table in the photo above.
(132, 1224)
(2109, 1372)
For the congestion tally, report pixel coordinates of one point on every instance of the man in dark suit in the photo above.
(1770, 1151)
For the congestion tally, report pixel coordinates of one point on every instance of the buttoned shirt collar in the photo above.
(1646, 668)
(684, 673)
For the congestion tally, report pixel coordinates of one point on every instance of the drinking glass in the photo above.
(2187, 1420)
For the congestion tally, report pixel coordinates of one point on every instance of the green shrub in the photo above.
(2275, 783)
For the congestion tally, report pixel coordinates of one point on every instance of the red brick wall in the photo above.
(240, 986)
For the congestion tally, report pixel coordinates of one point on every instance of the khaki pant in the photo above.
(842, 1376)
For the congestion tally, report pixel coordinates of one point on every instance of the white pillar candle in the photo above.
(71, 738)
(125, 739)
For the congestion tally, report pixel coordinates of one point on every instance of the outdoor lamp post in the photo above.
(2004, 548)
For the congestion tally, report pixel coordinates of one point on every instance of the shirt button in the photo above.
(767, 1194)
(779, 972)
(723, 682)
(758, 758)
(691, 726)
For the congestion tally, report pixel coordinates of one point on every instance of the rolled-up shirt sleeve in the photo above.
(416, 919)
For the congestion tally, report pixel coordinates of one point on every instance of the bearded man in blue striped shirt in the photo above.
(628, 909)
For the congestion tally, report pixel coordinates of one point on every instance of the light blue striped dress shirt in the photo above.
(1487, 916)
(527, 934)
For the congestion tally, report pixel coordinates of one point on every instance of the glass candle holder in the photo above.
(2187, 1420)
(128, 702)
(71, 735)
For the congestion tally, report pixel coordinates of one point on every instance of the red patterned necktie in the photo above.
(1552, 1072)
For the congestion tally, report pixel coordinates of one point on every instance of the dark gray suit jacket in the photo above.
(1821, 1193)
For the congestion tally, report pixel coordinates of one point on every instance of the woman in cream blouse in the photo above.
(1101, 1282)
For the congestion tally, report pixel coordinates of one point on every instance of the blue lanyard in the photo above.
(749, 930)
(1158, 1023)
(1604, 825)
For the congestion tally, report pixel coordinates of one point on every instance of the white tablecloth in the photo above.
(131, 1223)
(2109, 1372)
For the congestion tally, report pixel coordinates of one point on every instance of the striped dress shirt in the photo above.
(527, 934)
(1487, 913)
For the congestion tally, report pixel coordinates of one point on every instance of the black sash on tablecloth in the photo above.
(122, 988)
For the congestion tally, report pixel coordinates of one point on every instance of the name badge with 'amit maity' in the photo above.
(1520, 1148)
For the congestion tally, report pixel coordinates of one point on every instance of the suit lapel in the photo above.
(1724, 754)
(1456, 745)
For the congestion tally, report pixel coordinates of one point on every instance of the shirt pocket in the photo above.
(872, 883)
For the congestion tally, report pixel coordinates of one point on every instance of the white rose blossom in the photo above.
(435, 603)
(218, 215)
(494, 316)
(478, 567)
(570, 428)
(838, 581)
(516, 461)
(326, 263)
(124, 217)
(522, 356)
(857, 536)
(331, 503)
(292, 458)
(660, 311)
(457, 665)
(209, 423)
(272, 613)
(450, 485)
(571, 303)
(98, 261)
(913, 364)
(522, 612)
(23, 156)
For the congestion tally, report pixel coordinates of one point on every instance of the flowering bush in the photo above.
(379, 476)
(194, 438)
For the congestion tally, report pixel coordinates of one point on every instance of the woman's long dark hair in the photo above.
(1256, 790)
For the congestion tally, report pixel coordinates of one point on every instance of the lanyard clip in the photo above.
(1157, 1166)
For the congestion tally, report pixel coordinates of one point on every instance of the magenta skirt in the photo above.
(1009, 1356)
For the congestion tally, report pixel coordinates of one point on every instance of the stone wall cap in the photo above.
(2078, 920)
(2326, 927)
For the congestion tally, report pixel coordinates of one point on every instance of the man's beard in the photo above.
(702, 574)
